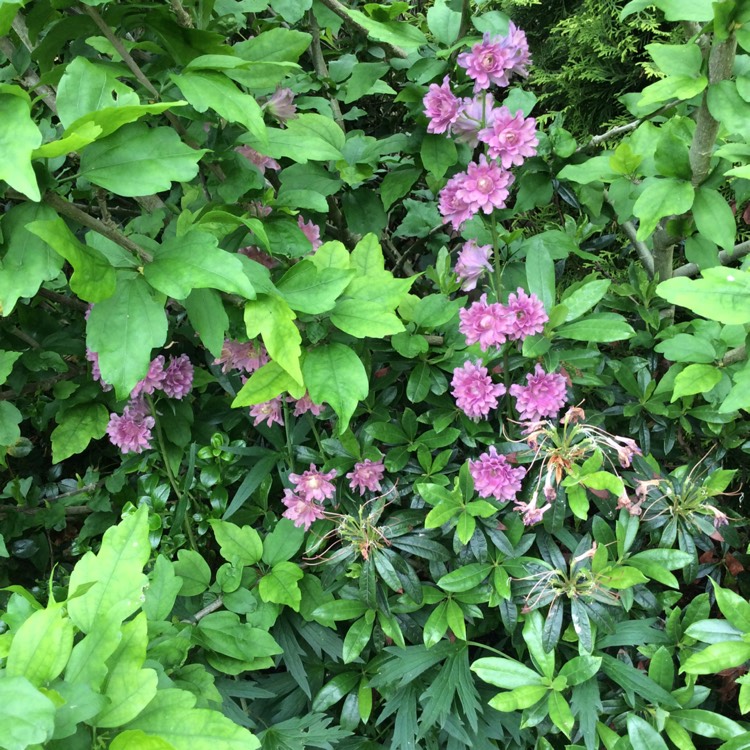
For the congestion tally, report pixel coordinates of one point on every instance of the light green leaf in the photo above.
(367, 257)
(76, 428)
(673, 87)
(622, 577)
(595, 169)
(357, 637)
(208, 317)
(283, 542)
(194, 572)
(642, 735)
(661, 197)
(727, 106)
(267, 383)
(695, 379)
(734, 607)
(519, 699)
(560, 713)
(19, 136)
(138, 160)
(75, 141)
(362, 318)
(686, 348)
(584, 298)
(464, 578)
(438, 153)
(239, 546)
(597, 328)
(162, 590)
(281, 585)
(275, 45)
(334, 374)
(10, 418)
(28, 716)
(677, 59)
(135, 739)
(123, 329)
(397, 184)
(540, 275)
(505, 673)
(88, 661)
(107, 121)
(580, 668)
(444, 22)
(8, 11)
(708, 723)
(714, 218)
(309, 137)
(311, 290)
(7, 360)
(400, 34)
(117, 574)
(716, 657)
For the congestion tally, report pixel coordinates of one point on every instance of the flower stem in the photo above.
(497, 276)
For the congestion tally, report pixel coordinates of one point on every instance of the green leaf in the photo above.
(163, 587)
(661, 197)
(727, 106)
(595, 169)
(135, 739)
(716, 657)
(76, 428)
(138, 160)
(194, 572)
(334, 374)
(400, 34)
(519, 699)
(677, 59)
(19, 136)
(41, 647)
(714, 218)
(8, 11)
(735, 608)
(75, 141)
(357, 637)
(283, 542)
(584, 298)
(597, 328)
(10, 418)
(722, 294)
(643, 736)
(673, 87)
(362, 318)
(215, 91)
(208, 317)
(686, 348)
(275, 45)
(695, 379)
(7, 360)
(194, 261)
(397, 184)
(708, 723)
(123, 329)
(505, 673)
(116, 571)
(28, 261)
(436, 625)
(333, 691)
(631, 678)
(580, 668)
(544, 661)
(661, 668)
(464, 578)
(267, 383)
(540, 275)
(239, 546)
(438, 153)
(281, 585)
(560, 713)
(96, 125)
(363, 78)
(88, 661)
(310, 137)
(28, 716)
(444, 22)
(311, 290)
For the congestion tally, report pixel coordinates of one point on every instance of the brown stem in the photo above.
(663, 251)
(319, 63)
(183, 17)
(63, 299)
(30, 80)
(735, 355)
(217, 603)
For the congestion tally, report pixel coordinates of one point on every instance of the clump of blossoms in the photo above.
(131, 431)
(311, 489)
(366, 475)
(494, 476)
(475, 393)
(543, 395)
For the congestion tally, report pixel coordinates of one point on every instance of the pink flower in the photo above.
(131, 432)
(178, 378)
(473, 260)
(452, 204)
(485, 186)
(311, 231)
(525, 315)
(483, 323)
(281, 105)
(96, 373)
(153, 380)
(494, 477)
(517, 43)
(258, 209)
(260, 161)
(511, 138)
(530, 514)
(301, 511)
(475, 393)
(440, 106)
(304, 405)
(544, 395)
(366, 475)
(241, 355)
(473, 115)
(314, 484)
(488, 62)
(268, 412)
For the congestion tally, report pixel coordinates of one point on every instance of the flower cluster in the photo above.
(311, 489)
(475, 393)
(494, 476)
(241, 355)
(131, 431)
(366, 475)
(543, 395)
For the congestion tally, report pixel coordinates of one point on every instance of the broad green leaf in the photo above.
(27, 260)
(540, 274)
(283, 542)
(88, 661)
(194, 572)
(580, 668)
(622, 577)
(310, 137)
(661, 197)
(584, 298)
(519, 699)
(281, 585)
(138, 160)
(713, 631)
(311, 290)
(714, 218)
(597, 328)
(334, 374)
(106, 121)
(695, 379)
(41, 647)
(560, 713)
(75, 141)
(603, 480)
(357, 637)
(275, 45)
(171, 717)
(727, 106)
(631, 678)
(76, 428)
(436, 625)
(735, 608)
(722, 294)
(124, 329)
(397, 184)
(464, 578)
(708, 723)
(27, 717)
(595, 169)
(163, 587)
(128, 686)
(677, 59)
(367, 257)
(444, 22)
(7, 360)
(505, 673)
(267, 383)
(544, 661)
(195, 261)
(135, 739)
(272, 318)
(340, 609)
(642, 735)
(364, 76)
(362, 318)
(116, 571)
(333, 691)
(93, 278)
(686, 348)
(673, 87)
(438, 153)
(208, 318)
(240, 546)
(661, 668)
(19, 136)
(215, 91)
(401, 34)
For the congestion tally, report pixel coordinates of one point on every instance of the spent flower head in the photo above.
(473, 260)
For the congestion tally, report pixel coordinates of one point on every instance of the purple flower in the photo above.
(366, 475)
(281, 105)
(544, 395)
(473, 260)
(178, 377)
(259, 160)
(96, 373)
(494, 477)
(311, 231)
(488, 62)
(530, 514)
(485, 186)
(303, 512)
(131, 432)
(510, 138)
(304, 405)
(268, 412)
(314, 484)
(483, 323)
(452, 204)
(475, 393)
(441, 107)
(525, 315)
(473, 115)
(517, 43)
(153, 380)
(241, 355)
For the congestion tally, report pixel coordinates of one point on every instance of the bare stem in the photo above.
(30, 80)
(217, 603)
(640, 247)
(319, 63)
(725, 258)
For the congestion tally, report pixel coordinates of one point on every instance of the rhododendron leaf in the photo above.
(597, 328)
(540, 275)
(93, 278)
(138, 160)
(19, 136)
(582, 299)
(334, 374)
(124, 329)
(194, 261)
(76, 428)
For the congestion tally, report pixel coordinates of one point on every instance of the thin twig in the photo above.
(217, 603)
(319, 63)
(183, 17)
(725, 258)
(63, 299)
(640, 247)
(735, 355)
(29, 79)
